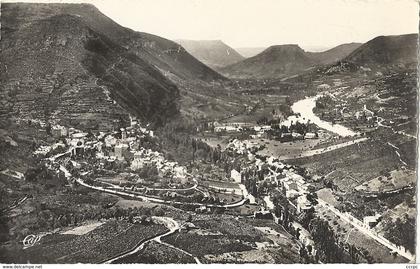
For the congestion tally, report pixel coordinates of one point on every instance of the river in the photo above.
(305, 108)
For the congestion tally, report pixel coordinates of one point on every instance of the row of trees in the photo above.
(401, 232)
(324, 102)
(253, 179)
(330, 249)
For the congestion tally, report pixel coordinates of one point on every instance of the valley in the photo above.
(121, 146)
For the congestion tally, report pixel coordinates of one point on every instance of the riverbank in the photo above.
(304, 111)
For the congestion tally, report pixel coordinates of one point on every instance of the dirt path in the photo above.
(169, 223)
(313, 152)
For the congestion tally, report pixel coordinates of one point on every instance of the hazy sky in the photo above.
(254, 23)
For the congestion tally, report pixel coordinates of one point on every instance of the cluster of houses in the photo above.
(59, 131)
(236, 187)
(243, 146)
(292, 136)
(296, 189)
(234, 127)
(262, 131)
(145, 157)
(120, 147)
(281, 175)
(294, 185)
(341, 113)
(128, 149)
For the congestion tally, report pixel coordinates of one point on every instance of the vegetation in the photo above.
(123, 235)
(401, 232)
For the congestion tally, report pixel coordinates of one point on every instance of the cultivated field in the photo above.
(100, 244)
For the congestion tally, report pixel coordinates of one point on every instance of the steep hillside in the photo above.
(169, 57)
(276, 61)
(59, 68)
(335, 54)
(213, 53)
(386, 50)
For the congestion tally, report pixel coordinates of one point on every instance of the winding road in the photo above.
(18, 203)
(380, 124)
(157, 200)
(169, 223)
(142, 197)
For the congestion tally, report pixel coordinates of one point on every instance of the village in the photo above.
(118, 163)
(252, 182)
(125, 162)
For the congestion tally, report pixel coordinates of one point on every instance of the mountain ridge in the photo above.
(214, 53)
(381, 50)
(275, 61)
(167, 55)
(334, 54)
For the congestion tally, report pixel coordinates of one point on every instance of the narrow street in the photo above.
(366, 231)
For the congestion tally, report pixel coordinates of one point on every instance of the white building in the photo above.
(303, 204)
(370, 221)
(246, 194)
(297, 135)
(120, 150)
(110, 141)
(268, 203)
(229, 129)
(180, 173)
(77, 146)
(123, 134)
(79, 135)
(59, 131)
(265, 127)
(137, 164)
(235, 175)
(310, 136)
(99, 146)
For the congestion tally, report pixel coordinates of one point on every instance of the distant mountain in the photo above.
(335, 54)
(72, 64)
(316, 48)
(276, 61)
(250, 52)
(213, 53)
(385, 50)
(285, 60)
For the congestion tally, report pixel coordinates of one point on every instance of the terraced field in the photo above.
(101, 244)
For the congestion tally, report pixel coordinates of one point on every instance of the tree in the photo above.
(309, 248)
(158, 211)
(48, 128)
(303, 254)
(130, 217)
(312, 198)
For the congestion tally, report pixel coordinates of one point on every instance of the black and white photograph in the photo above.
(208, 132)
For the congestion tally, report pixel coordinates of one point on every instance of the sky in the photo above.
(261, 23)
